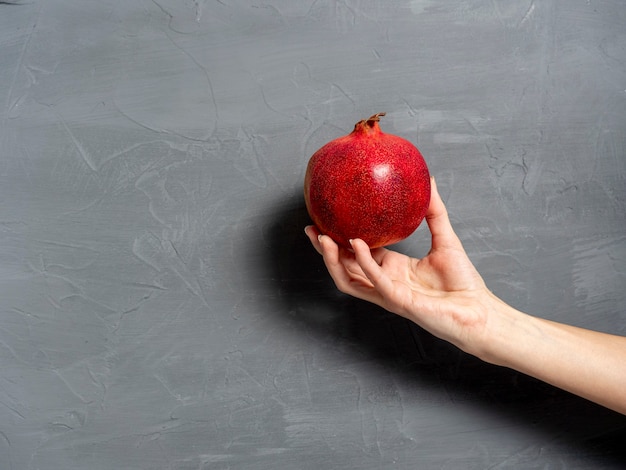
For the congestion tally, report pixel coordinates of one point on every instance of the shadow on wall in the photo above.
(306, 294)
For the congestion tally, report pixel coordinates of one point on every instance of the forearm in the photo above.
(587, 363)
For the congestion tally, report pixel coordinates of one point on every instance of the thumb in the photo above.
(438, 221)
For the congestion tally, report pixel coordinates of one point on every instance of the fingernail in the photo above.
(350, 241)
(319, 237)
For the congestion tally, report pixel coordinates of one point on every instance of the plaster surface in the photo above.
(160, 306)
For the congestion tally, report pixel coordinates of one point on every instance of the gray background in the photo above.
(160, 306)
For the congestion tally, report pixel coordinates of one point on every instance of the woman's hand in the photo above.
(441, 292)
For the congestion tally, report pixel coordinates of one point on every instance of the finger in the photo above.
(313, 233)
(338, 272)
(344, 269)
(378, 254)
(439, 223)
(330, 253)
(371, 268)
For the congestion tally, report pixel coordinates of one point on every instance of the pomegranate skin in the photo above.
(367, 185)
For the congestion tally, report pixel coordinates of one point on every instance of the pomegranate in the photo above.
(367, 185)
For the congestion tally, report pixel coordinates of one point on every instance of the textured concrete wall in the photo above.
(160, 307)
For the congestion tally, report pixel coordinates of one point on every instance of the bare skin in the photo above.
(444, 294)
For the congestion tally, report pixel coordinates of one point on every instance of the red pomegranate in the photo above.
(367, 185)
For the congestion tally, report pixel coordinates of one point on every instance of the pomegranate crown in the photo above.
(370, 123)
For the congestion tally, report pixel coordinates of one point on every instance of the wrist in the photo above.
(502, 332)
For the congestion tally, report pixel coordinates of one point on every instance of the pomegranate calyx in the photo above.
(370, 124)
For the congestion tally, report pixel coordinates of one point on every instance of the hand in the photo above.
(441, 292)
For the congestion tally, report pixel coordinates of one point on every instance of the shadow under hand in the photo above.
(299, 275)
(307, 293)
